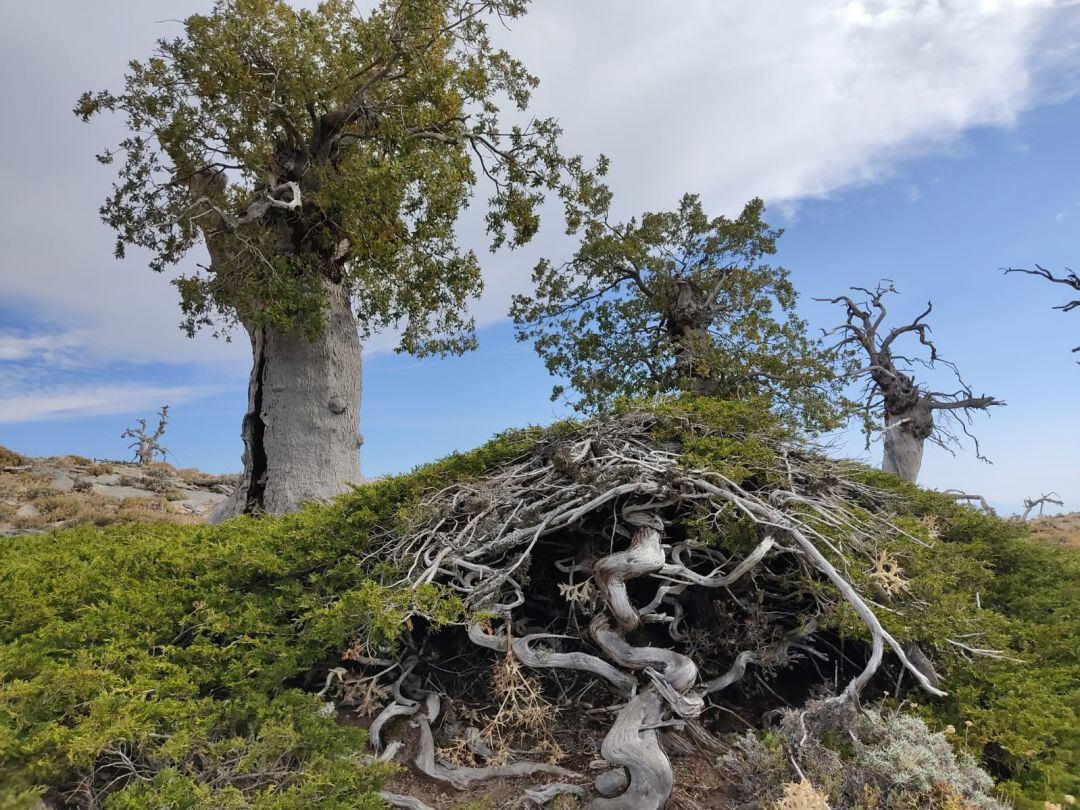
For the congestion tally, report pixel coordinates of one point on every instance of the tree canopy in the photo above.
(323, 146)
(674, 301)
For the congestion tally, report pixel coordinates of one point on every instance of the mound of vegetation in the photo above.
(624, 589)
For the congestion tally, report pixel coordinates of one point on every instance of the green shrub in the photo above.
(192, 652)
(188, 652)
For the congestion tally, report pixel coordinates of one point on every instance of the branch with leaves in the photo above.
(331, 145)
(677, 301)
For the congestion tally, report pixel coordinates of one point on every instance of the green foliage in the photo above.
(188, 655)
(374, 118)
(732, 437)
(677, 301)
(178, 661)
(983, 583)
(969, 577)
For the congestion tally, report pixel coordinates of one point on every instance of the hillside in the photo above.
(42, 494)
(506, 620)
(1058, 530)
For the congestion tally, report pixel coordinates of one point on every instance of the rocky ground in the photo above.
(40, 494)
(1058, 530)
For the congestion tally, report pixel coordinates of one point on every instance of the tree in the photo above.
(1069, 279)
(891, 393)
(322, 157)
(1042, 500)
(677, 301)
(147, 445)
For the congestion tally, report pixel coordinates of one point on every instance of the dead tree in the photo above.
(958, 495)
(892, 395)
(147, 445)
(1070, 279)
(1045, 498)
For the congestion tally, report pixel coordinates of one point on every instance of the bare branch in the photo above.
(1042, 500)
(147, 446)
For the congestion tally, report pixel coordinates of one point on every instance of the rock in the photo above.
(27, 510)
(613, 782)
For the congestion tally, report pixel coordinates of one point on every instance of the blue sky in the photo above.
(931, 171)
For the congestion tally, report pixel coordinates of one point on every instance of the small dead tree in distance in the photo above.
(1042, 500)
(1070, 279)
(891, 389)
(147, 445)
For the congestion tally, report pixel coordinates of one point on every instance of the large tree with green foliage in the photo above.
(322, 157)
(678, 301)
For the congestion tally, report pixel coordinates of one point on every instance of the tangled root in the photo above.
(606, 562)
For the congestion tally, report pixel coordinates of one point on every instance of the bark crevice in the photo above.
(255, 432)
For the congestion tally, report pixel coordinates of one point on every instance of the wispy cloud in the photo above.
(96, 400)
(47, 347)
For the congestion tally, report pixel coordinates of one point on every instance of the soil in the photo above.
(698, 783)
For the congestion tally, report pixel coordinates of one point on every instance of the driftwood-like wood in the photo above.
(606, 508)
(910, 412)
(147, 446)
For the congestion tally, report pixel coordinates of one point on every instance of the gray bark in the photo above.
(904, 443)
(301, 439)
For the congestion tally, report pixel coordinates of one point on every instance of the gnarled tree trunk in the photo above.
(687, 323)
(301, 439)
(906, 433)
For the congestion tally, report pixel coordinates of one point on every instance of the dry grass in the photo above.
(21, 486)
(9, 458)
(802, 796)
(523, 717)
(1058, 530)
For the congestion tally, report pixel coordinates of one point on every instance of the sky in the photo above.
(930, 142)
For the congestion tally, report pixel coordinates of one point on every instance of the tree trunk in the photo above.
(687, 323)
(301, 439)
(692, 350)
(905, 435)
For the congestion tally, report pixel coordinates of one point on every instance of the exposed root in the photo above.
(540, 796)
(634, 744)
(406, 802)
(607, 568)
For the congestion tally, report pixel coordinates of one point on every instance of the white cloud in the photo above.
(47, 348)
(735, 99)
(78, 402)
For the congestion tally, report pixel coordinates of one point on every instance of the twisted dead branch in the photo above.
(148, 445)
(1042, 500)
(592, 558)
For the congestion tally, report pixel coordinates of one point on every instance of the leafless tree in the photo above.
(891, 390)
(146, 445)
(1069, 279)
(1042, 500)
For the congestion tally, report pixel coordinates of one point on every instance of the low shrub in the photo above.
(828, 756)
(9, 458)
(173, 666)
